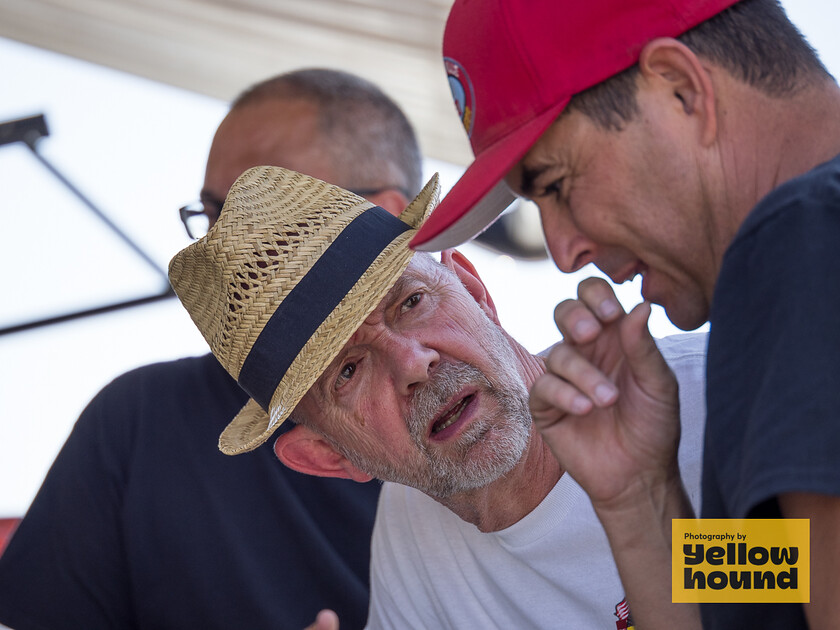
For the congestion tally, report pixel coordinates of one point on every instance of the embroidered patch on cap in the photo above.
(462, 92)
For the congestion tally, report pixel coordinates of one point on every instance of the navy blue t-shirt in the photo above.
(143, 523)
(773, 371)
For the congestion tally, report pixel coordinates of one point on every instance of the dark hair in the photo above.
(753, 40)
(369, 138)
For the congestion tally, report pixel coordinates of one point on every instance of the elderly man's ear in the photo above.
(305, 451)
(469, 277)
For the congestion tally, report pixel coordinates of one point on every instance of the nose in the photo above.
(411, 363)
(569, 249)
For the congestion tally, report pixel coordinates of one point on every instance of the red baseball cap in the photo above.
(513, 66)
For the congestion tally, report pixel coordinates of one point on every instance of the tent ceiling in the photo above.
(218, 47)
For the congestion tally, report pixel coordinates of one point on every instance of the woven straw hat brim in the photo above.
(252, 426)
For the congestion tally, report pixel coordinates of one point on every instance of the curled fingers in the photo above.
(571, 385)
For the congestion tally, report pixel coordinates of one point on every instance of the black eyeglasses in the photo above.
(198, 216)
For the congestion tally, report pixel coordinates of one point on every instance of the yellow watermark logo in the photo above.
(740, 560)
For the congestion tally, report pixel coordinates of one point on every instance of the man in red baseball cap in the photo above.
(694, 143)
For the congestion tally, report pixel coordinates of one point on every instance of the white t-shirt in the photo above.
(552, 569)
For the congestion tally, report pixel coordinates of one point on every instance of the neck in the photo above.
(768, 142)
(514, 495)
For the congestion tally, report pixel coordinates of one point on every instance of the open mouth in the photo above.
(452, 416)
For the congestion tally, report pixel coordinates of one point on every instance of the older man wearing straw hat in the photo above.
(396, 367)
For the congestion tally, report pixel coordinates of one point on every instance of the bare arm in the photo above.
(608, 408)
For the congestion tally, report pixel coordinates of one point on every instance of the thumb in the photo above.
(643, 356)
(326, 620)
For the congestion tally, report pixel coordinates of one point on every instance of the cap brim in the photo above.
(481, 194)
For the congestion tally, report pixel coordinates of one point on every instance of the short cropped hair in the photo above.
(370, 140)
(753, 40)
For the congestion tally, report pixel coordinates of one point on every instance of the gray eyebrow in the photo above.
(398, 288)
(410, 274)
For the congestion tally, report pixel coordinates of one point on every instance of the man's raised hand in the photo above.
(608, 403)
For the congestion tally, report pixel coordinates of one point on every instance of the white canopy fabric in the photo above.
(219, 47)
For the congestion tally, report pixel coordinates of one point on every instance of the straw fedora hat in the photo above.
(283, 279)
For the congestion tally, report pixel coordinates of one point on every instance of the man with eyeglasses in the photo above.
(142, 522)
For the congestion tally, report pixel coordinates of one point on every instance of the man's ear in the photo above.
(305, 451)
(469, 277)
(390, 199)
(673, 66)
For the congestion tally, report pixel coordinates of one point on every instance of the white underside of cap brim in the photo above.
(474, 221)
